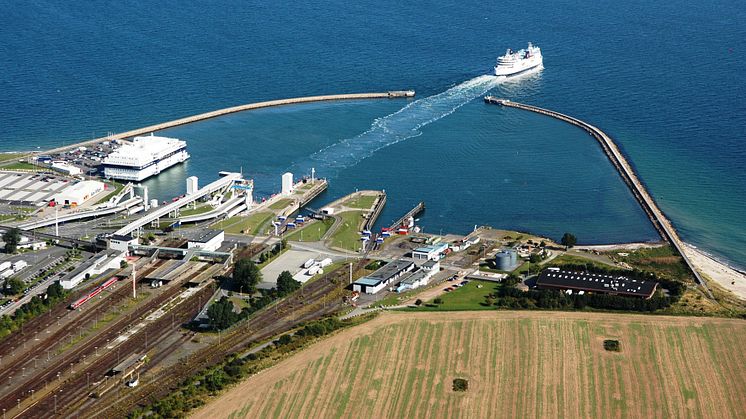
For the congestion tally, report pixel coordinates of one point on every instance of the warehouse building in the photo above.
(78, 193)
(581, 282)
(384, 276)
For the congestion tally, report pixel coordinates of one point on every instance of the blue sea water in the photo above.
(663, 78)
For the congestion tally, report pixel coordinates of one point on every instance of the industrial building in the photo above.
(144, 157)
(581, 282)
(506, 260)
(431, 252)
(210, 240)
(78, 193)
(384, 276)
(287, 183)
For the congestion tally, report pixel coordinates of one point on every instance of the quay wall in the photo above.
(656, 216)
(234, 109)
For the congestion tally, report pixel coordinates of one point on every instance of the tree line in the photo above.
(37, 305)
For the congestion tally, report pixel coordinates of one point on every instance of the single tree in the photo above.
(221, 315)
(246, 275)
(14, 286)
(55, 291)
(12, 238)
(286, 284)
(568, 240)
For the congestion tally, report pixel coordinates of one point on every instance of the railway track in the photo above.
(320, 298)
(35, 349)
(153, 341)
(51, 374)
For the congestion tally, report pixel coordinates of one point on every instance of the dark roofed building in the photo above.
(555, 278)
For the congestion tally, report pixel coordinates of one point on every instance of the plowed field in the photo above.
(518, 364)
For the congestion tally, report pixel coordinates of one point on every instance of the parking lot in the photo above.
(29, 188)
(88, 159)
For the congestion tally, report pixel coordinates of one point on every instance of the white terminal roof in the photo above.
(144, 150)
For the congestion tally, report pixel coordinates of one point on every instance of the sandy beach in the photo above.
(717, 271)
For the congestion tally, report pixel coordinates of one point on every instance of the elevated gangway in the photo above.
(45, 222)
(237, 202)
(226, 181)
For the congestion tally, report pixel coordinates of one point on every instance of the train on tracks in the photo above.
(93, 293)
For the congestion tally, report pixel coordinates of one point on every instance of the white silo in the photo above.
(287, 183)
(192, 184)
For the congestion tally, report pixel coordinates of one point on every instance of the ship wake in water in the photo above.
(398, 126)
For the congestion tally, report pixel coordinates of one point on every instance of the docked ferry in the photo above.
(144, 157)
(514, 63)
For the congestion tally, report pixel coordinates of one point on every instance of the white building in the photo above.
(144, 157)
(96, 265)
(287, 183)
(78, 193)
(65, 168)
(192, 185)
(122, 243)
(209, 240)
(431, 252)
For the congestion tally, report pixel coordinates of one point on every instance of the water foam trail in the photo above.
(398, 126)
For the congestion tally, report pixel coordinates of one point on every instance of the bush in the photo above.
(612, 345)
(460, 384)
(438, 300)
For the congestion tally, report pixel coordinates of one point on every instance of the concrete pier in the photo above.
(411, 213)
(656, 216)
(220, 112)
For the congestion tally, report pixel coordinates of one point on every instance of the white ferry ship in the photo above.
(144, 157)
(514, 63)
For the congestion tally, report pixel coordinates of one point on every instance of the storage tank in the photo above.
(504, 260)
(513, 257)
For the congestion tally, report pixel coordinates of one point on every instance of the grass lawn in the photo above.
(303, 188)
(347, 235)
(664, 261)
(200, 209)
(282, 203)
(117, 188)
(6, 217)
(468, 297)
(311, 232)
(363, 202)
(19, 165)
(244, 225)
(10, 156)
(574, 260)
